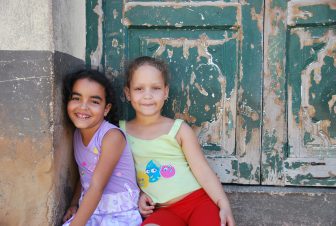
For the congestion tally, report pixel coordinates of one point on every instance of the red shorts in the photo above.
(196, 209)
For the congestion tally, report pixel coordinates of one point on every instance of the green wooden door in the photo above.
(216, 71)
(258, 91)
(299, 148)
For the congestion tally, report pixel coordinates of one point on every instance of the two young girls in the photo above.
(179, 186)
(107, 193)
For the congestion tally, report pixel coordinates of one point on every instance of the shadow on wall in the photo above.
(65, 168)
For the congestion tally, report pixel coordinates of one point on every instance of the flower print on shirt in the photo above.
(154, 172)
(167, 171)
(142, 179)
(95, 151)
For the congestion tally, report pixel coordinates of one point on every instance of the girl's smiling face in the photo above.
(147, 91)
(87, 105)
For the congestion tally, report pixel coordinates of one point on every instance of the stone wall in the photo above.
(40, 42)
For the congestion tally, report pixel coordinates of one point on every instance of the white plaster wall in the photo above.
(43, 25)
(25, 25)
(69, 25)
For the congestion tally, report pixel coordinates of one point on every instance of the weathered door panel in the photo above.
(216, 48)
(300, 50)
(311, 73)
(215, 71)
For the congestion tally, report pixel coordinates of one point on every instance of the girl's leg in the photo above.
(207, 213)
(163, 217)
(197, 209)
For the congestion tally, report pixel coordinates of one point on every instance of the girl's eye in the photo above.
(95, 102)
(138, 89)
(74, 98)
(157, 88)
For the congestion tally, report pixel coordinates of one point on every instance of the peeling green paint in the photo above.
(235, 168)
(312, 82)
(273, 161)
(323, 92)
(321, 13)
(276, 65)
(309, 180)
(114, 50)
(298, 62)
(245, 170)
(294, 165)
(91, 29)
(294, 74)
(279, 4)
(274, 95)
(211, 147)
(178, 15)
(257, 173)
(250, 79)
(285, 149)
(269, 142)
(219, 55)
(307, 138)
(230, 125)
(114, 33)
(216, 74)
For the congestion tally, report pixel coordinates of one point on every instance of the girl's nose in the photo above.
(148, 94)
(84, 105)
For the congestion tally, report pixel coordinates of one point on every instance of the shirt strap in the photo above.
(175, 128)
(122, 125)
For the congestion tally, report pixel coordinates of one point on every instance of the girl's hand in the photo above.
(146, 205)
(226, 217)
(225, 213)
(70, 212)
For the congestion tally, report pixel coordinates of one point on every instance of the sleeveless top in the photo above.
(162, 169)
(123, 178)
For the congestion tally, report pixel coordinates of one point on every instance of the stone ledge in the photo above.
(278, 190)
(268, 205)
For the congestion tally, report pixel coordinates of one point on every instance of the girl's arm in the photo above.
(74, 202)
(113, 145)
(203, 173)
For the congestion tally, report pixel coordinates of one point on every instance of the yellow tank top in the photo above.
(162, 169)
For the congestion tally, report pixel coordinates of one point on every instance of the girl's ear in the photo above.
(107, 109)
(127, 93)
(166, 92)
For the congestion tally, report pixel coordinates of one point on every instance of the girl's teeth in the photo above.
(82, 116)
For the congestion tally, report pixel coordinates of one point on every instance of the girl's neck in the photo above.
(140, 120)
(86, 137)
(149, 128)
(88, 133)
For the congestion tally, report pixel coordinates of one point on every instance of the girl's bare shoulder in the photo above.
(185, 133)
(167, 121)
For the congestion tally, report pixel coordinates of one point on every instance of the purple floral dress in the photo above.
(119, 203)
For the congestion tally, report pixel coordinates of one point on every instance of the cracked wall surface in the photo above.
(37, 49)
